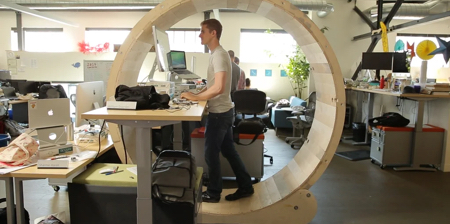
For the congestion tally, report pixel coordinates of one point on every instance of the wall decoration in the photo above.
(85, 48)
(268, 72)
(283, 73)
(424, 49)
(411, 49)
(399, 46)
(253, 72)
(384, 37)
(444, 49)
(76, 65)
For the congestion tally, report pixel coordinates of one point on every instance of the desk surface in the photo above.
(34, 172)
(194, 113)
(17, 101)
(406, 95)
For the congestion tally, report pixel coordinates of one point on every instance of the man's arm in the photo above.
(211, 92)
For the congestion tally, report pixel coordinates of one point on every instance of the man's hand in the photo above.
(188, 96)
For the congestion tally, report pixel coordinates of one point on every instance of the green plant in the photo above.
(298, 70)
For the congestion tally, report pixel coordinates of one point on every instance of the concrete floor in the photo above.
(348, 192)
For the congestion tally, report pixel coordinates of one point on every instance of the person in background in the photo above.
(247, 83)
(236, 60)
(218, 132)
(241, 82)
(235, 74)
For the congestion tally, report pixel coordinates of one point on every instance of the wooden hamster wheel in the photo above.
(284, 197)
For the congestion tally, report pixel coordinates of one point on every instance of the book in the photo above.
(440, 93)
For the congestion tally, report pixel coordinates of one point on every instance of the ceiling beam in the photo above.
(32, 12)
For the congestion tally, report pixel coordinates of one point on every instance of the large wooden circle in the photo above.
(315, 155)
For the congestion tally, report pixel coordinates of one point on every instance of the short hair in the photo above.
(247, 82)
(231, 53)
(213, 24)
(236, 60)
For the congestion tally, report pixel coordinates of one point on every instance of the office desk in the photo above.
(33, 172)
(144, 121)
(420, 99)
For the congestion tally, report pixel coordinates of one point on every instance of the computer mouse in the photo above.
(106, 171)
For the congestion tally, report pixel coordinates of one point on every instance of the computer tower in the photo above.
(348, 117)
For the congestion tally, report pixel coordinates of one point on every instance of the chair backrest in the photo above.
(249, 101)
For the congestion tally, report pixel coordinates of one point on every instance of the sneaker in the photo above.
(239, 194)
(208, 198)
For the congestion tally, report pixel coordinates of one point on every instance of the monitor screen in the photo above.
(177, 60)
(399, 64)
(15, 83)
(377, 60)
(88, 93)
(162, 47)
(28, 87)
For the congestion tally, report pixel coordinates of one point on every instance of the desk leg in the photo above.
(144, 173)
(417, 137)
(20, 211)
(370, 101)
(178, 136)
(9, 185)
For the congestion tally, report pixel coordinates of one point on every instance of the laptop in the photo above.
(48, 112)
(177, 64)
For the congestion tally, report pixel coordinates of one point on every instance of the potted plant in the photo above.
(298, 70)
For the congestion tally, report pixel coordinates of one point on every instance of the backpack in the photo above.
(145, 97)
(48, 91)
(3, 218)
(390, 119)
(254, 126)
(174, 175)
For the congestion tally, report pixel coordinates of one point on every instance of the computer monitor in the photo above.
(399, 64)
(162, 47)
(28, 87)
(88, 95)
(15, 83)
(377, 60)
(177, 60)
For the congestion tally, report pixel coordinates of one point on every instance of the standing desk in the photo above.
(143, 121)
(33, 172)
(417, 135)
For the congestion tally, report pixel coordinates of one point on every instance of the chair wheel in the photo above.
(56, 188)
(271, 160)
(382, 166)
(257, 180)
(287, 141)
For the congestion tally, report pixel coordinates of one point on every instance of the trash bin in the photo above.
(359, 131)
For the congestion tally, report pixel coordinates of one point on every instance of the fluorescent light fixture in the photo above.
(401, 17)
(32, 12)
(93, 7)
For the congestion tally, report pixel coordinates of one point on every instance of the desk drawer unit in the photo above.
(252, 155)
(392, 146)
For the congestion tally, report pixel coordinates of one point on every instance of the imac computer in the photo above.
(28, 87)
(89, 97)
(377, 60)
(162, 47)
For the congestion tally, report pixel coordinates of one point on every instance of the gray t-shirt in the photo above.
(218, 62)
(235, 75)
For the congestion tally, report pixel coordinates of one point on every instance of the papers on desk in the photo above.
(12, 169)
(133, 170)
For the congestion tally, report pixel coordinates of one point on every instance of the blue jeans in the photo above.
(219, 138)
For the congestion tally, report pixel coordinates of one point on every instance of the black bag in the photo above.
(390, 119)
(145, 96)
(3, 218)
(48, 91)
(174, 174)
(254, 126)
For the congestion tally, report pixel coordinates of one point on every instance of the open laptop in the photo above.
(177, 64)
(49, 112)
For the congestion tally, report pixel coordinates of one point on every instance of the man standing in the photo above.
(218, 132)
(236, 74)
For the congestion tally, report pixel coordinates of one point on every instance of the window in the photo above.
(185, 40)
(260, 46)
(179, 39)
(434, 64)
(40, 40)
(100, 36)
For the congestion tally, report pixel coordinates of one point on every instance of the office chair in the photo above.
(248, 102)
(303, 119)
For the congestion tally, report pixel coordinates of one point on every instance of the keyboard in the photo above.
(187, 72)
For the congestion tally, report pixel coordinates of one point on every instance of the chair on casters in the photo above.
(249, 102)
(303, 119)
